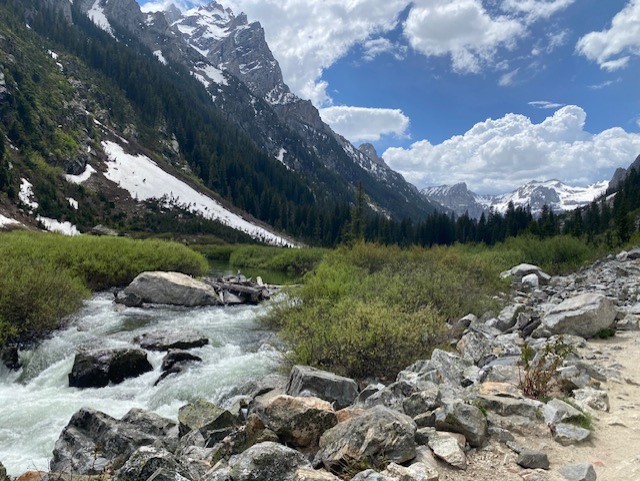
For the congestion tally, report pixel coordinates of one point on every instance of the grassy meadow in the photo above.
(371, 310)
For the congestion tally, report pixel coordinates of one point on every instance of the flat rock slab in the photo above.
(568, 434)
(415, 472)
(166, 339)
(446, 447)
(308, 381)
(584, 315)
(172, 288)
(578, 472)
(531, 459)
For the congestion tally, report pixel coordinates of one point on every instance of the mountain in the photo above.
(457, 198)
(535, 194)
(621, 174)
(100, 100)
(232, 59)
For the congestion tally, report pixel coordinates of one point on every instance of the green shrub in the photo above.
(292, 261)
(555, 255)
(371, 310)
(44, 277)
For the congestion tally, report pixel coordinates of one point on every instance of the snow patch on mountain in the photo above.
(144, 179)
(26, 194)
(80, 178)
(160, 57)
(53, 225)
(6, 221)
(97, 16)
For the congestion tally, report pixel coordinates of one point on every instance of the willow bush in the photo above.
(371, 310)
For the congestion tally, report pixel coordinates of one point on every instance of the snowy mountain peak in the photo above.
(535, 194)
(231, 43)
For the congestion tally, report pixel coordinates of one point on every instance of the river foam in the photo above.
(36, 403)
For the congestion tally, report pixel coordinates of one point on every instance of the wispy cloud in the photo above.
(605, 84)
(509, 78)
(378, 46)
(544, 104)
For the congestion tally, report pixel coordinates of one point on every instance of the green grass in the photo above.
(371, 310)
(256, 257)
(45, 277)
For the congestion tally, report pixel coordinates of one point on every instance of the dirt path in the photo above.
(614, 449)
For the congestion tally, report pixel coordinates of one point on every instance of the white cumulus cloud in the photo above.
(360, 124)
(498, 155)
(461, 29)
(613, 48)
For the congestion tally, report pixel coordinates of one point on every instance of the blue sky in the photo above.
(490, 92)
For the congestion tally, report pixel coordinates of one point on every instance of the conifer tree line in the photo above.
(610, 220)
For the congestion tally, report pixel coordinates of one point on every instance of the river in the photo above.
(36, 402)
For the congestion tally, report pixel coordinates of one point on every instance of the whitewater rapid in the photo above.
(36, 402)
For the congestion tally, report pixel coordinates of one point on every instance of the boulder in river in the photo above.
(175, 362)
(171, 288)
(166, 339)
(99, 367)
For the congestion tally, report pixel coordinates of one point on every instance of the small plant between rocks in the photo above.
(540, 368)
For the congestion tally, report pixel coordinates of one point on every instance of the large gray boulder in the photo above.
(522, 270)
(298, 421)
(378, 434)
(267, 461)
(99, 367)
(463, 419)
(172, 288)
(145, 461)
(205, 417)
(93, 442)
(584, 315)
(308, 381)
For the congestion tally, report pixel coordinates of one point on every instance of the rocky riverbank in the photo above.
(461, 415)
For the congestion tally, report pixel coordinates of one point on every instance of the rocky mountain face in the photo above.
(535, 194)
(458, 198)
(230, 56)
(621, 173)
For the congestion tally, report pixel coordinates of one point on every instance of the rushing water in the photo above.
(36, 403)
